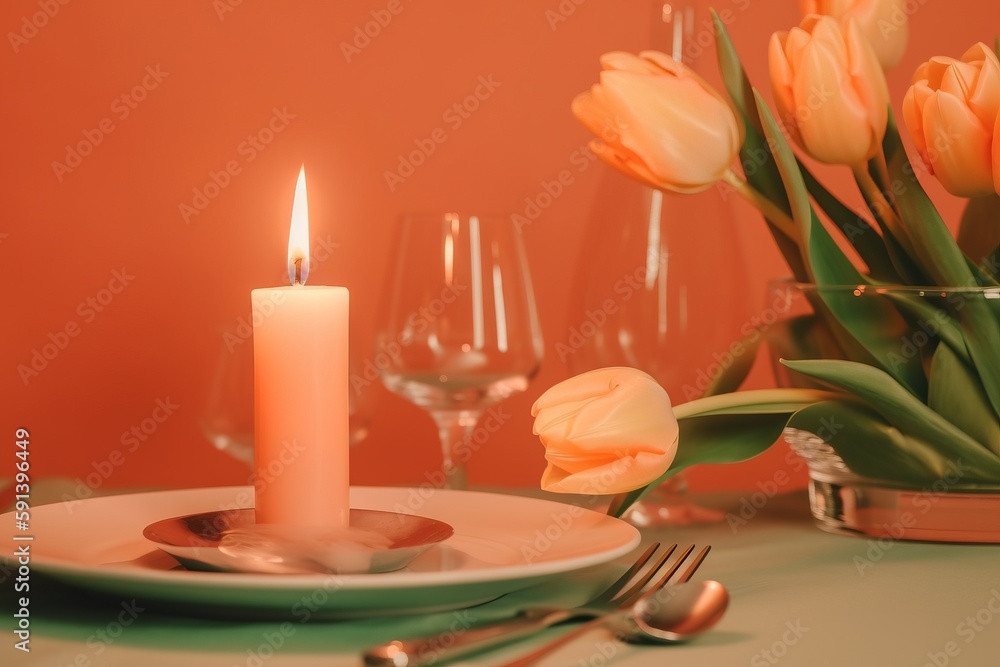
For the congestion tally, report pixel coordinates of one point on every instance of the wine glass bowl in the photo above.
(458, 327)
(661, 288)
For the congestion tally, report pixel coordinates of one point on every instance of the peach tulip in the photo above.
(830, 90)
(883, 23)
(659, 122)
(606, 431)
(951, 113)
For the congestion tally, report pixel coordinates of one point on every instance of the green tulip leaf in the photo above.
(726, 429)
(904, 412)
(869, 445)
(979, 229)
(756, 402)
(755, 155)
(957, 394)
(868, 329)
(803, 337)
(979, 237)
(933, 246)
(933, 321)
(714, 439)
(744, 353)
(991, 265)
(894, 233)
(859, 233)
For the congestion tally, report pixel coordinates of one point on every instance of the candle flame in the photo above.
(298, 234)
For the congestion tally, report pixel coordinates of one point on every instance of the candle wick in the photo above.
(298, 271)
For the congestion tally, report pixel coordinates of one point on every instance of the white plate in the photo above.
(501, 544)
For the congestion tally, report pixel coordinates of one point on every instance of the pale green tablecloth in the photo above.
(799, 597)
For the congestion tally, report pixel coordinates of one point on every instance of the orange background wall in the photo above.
(215, 73)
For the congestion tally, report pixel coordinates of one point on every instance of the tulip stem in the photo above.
(775, 215)
(880, 206)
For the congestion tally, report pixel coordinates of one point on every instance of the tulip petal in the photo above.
(619, 476)
(624, 61)
(868, 81)
(832, 120)
(781, 81)
(607, 431)
(958, 79)
(634, 168)
(594, 115)
(959, 147)
(996, 156)
(911, 118)
(685, 135)
(985, 98)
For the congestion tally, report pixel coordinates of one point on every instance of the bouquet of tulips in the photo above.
(907, 419)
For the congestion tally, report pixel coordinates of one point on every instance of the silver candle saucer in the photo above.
(232, 541)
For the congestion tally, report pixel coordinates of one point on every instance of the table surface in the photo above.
(799, 597)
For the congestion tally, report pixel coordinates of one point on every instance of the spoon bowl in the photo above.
(675, 613)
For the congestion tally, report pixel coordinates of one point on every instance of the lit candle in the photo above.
(301, 446)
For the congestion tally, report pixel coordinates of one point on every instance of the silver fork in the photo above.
(430, 650)
(531, 658)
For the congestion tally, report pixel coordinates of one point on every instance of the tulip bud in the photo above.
(884, 23)
(659, 122)
(829, 90)
(607, 431)
(951, 113)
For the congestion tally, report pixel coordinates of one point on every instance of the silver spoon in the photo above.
(662, 615)
(673, 614)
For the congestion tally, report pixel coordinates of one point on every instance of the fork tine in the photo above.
(637, 587)
(673, 568)
(621, 581)
(695, 564)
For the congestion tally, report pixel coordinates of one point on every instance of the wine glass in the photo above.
(227, 417)
(458, 331)
(662, 285)
(661, 288)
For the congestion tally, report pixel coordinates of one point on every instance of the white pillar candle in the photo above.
(301, 380)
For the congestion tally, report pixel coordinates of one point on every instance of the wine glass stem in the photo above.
(455, 429)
